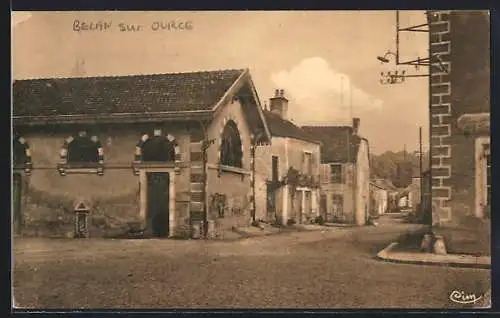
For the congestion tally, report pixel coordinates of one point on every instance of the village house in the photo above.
(162, 151)
(378, 199)
(287, 170)
(460, 123)
(382, 192)
(412, 194)
(344, 174)
(460, 115)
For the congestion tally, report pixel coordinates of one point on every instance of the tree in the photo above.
(397, 166)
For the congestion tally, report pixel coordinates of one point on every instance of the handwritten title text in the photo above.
(103, 26)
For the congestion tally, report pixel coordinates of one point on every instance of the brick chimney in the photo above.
(279, 104)
(355, 126)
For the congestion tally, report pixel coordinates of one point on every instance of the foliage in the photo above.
(295, 179)
(291, 222)
(385, 165)
(319, 220)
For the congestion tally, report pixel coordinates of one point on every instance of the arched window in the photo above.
(82, 152)
(158, 149)
(231, 153)
(21, 154)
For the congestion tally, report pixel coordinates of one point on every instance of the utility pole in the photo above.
(421, 172)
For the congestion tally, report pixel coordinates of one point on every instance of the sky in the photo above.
(324, 60)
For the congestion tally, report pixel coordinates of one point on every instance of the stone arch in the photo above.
(81, 150)
(156, 147)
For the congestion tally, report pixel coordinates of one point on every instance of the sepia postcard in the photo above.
(251, 160)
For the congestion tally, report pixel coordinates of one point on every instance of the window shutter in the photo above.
(327, 173)
(322, 174)
(343, 172)
(312, 165)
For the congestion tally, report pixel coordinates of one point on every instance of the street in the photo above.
(329, 269)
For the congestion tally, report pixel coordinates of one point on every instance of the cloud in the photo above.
(18, 17)
(319, 93)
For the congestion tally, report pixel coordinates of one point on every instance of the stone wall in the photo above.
(461, 39)
(48, 199)
(235, 185)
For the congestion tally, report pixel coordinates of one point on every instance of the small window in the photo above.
(231, 152)
(336, 173)
(275, 162)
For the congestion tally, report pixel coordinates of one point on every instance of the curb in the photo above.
(387, 255)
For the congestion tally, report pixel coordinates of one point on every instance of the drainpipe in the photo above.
(204, 146)
(252, 153)
(428, 13)
(369, 162)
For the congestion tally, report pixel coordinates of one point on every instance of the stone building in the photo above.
(459, 114)
(160, 151)
(291, 150)
(344, 174)
(460, 129)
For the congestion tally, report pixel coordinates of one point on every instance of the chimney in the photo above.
(279, 104)
(355, 125)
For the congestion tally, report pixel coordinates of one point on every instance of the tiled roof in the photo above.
(134, 94)
(338, 142)
(279, 127)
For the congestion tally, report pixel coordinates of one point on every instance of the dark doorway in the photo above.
(158, 203)
(16, 204)
(322, 206)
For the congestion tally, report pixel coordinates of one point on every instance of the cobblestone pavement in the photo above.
(323, 269)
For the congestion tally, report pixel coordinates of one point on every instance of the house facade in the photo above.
(380, 193)
(378, 200)
(460, 115)
(412, 193)
(162, 151)
(344, 174)
(292, 155)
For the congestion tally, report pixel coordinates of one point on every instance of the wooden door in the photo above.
(158, 203)
(322, 206)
